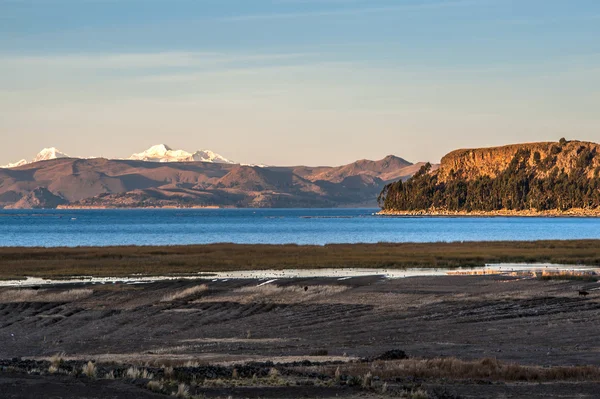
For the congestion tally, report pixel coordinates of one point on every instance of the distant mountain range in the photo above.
(163, 177)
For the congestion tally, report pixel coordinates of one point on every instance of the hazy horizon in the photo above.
(288, 82)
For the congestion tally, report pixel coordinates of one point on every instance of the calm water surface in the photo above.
(269, 226)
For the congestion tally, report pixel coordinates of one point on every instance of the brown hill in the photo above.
(39, 198)
(124, 183)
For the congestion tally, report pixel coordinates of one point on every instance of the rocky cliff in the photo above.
(532, 178)
(544, 157)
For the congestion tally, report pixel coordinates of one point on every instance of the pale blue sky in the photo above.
(296, 81)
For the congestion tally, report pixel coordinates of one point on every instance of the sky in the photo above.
(286, 82)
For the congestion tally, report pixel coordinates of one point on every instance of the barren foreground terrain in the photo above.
(463, 336)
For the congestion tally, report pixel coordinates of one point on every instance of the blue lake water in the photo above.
(270, 226)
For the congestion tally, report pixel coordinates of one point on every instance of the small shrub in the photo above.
(234, 374)
(52, 369)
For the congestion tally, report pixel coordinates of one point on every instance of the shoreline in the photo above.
(576, 212)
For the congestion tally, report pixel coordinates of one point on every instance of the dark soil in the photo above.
(526, 321)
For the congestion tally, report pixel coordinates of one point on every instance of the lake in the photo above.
(53, 228)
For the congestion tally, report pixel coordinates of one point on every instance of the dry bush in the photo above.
(89, 369)
(487, 368)
(30, 295)
(174, 296)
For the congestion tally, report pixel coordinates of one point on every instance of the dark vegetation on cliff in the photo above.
(565, 176)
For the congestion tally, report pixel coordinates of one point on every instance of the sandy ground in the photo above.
(233, 321)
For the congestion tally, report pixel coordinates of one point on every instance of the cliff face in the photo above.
(473, 163)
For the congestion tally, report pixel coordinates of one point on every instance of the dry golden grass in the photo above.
(29, 295)
(89, 370)
(452, 368)
(187, 292)
(124, 261)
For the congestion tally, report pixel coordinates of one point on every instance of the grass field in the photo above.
(122, 261)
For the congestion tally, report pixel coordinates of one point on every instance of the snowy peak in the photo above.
(49, 153)
(16, 164)
(164, 153)
(44, 155)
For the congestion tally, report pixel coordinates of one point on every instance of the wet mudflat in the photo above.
(321, 336)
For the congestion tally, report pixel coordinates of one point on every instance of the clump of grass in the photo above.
(338, 374)
(273, 372)
(155, 386)
(234, 374)
(168, 371)
(147, 375)
(89, 369)
(174, 296)
(367, 380)
(183, 391)
(57, 360)
(110, 375)
(418, 393)
(133, 373)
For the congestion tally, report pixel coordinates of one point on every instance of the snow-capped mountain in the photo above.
(44, 155)
(16, 164)
(164, 153)
(49, 153)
